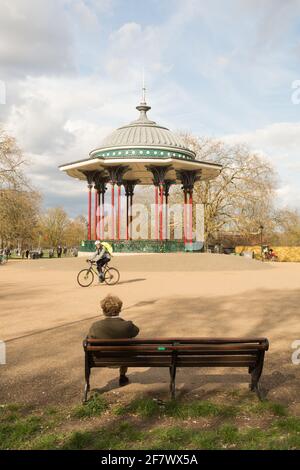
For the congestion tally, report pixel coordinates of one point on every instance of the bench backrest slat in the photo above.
(185, 352)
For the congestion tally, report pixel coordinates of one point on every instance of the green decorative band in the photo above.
(138, 246)
(142, 153)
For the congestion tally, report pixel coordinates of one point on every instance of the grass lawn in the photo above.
(238, 421)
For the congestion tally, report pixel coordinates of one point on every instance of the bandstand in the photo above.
(139, 153)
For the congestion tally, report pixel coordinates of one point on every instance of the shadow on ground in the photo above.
(48, 367)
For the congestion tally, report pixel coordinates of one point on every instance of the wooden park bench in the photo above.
(177, 352)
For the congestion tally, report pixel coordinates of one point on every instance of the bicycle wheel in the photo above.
(111, 276)
(85, 277)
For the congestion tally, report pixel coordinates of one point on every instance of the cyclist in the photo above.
(102, 256)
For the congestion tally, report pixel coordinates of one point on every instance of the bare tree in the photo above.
(287, 230)
(19, 211)
(53, 226)
(240, 198)
(11, 161)
(75, 231)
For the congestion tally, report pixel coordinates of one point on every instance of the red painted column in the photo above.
(185, 216)
(98, 216)
(127, 215)
(161, 202)
(102, 219)
(166, 217)
(90, 212)
(191, 217)
(130, 218)
(95, 213)
(113, 211)
(119, 212)
(156, 213)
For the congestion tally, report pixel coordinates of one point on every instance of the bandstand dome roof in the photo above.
(144, 133)
(138, 145)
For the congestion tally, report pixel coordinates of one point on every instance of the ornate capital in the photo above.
(116, 173)
(159, 173)
(100, 181)
(89, 177)
(188, 179)
(129, 186)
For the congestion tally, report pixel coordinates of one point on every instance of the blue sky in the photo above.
(72, 71)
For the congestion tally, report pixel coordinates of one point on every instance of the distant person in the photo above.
(27, 253)
(75, 252)
(113, 327)
(51, 253)
(65, 251)
(59, 251)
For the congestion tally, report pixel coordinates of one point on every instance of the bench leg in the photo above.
(86, 391)
(172, 380)
(87, 380)
(255, 376)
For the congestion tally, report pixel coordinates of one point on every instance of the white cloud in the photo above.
(29, 42)
(280, 143)
(73, 70)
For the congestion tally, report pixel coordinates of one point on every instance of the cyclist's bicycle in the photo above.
(86, 277)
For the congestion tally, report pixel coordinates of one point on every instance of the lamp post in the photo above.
(261, 228)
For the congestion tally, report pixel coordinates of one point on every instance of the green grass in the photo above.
(13, 433)
(235, 422)
(94, 407)
(149, 408)
(119, 436)
(267, 407)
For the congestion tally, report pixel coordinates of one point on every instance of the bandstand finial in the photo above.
(143, 87)
(143, 107)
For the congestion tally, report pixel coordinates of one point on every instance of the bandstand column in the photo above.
(100, 210)
(90, 179)
(188, 179)
(129, 186)
(116, 177)
(127, 214)
(95, 212)
(98, 215)
(191, 217)
(100, 180)
(185, 215)
(90, 211)
(159, 173)
(130, 217)
(156, 222)
(102, 215)
(119, 213)
(112, 210)
(161, 203)
(167, 186)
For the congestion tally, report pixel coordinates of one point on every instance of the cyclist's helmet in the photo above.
(97, 243)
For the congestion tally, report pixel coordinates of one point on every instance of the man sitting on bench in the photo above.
(113, 327)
